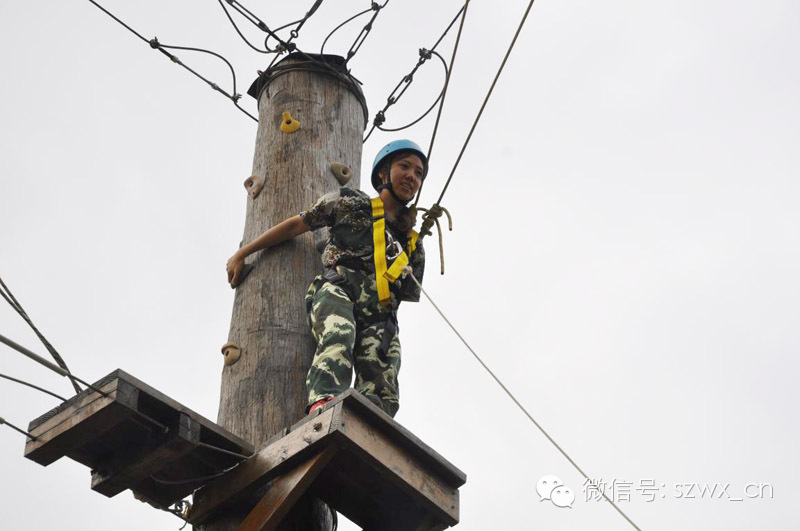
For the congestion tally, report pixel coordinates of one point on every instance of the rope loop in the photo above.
(430, 218)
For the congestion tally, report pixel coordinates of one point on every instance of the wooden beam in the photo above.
(137, 466)
(260, 468)
(285, 492)
(431, 523)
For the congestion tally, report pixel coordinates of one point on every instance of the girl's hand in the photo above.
(234, 269)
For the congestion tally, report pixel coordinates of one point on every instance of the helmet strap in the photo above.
(388, 186)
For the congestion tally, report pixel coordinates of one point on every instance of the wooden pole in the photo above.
(264, 391)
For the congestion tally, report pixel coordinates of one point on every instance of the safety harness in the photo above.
(383, 274)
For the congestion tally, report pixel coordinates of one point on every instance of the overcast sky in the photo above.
(625, 253)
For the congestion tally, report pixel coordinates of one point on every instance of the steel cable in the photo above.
(13, 427)
(153, 43)
(300, 23)
(426, 113)
(444, 95)
(486, 99)
(23, 382)
(14, 303)
(324, 42)
(236, 27)
(512, 397)
(40, 360)
(424, 54)
(365, 31)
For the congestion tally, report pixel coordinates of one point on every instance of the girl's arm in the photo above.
(283, 231)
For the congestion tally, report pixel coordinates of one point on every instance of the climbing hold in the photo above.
(289, 124)
(231, 352)
(253, 185)
(342, 172)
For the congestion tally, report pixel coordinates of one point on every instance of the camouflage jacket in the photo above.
(348, 214)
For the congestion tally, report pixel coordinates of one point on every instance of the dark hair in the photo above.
(405, 220)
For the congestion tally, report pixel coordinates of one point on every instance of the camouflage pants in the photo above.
(349, 326)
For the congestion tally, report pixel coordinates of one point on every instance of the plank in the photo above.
(284, 492)
(83, 421)
(396, 464)
(404, 438)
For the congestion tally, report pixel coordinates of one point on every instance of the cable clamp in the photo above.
(375, 6)
(154, 44)
(379, 119)
(425, 53)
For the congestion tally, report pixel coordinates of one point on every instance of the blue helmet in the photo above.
(392, 148)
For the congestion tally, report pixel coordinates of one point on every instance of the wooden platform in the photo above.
(135, 438)
(354, 457)
(350, 454)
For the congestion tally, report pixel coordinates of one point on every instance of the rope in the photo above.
(32, 386)
(23, 432)
(424, 55)
(513, 398)
(11, 300)
(153, 43)
(432, 216)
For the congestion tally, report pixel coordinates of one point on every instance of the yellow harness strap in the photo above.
(384, 275)
(412, 242)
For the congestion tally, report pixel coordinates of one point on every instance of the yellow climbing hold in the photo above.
(289, 124)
